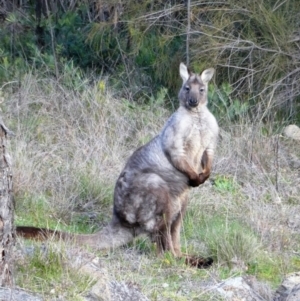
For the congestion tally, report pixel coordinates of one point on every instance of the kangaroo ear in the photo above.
(207, 75)
(184, 72)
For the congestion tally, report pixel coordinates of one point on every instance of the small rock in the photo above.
(100, 291)
(16, 294)
(292, 131)
(241, 288)
(106, 289)
(289, 290)
(121, 291)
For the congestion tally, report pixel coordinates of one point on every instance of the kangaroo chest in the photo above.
(196, 141)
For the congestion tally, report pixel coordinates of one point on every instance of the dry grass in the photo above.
(69, 148)
(255, 48)
(70, 145)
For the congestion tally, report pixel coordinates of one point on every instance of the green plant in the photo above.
(252, 45)
(34, 210)
(226, 108)
(267, 269)
(225, 184)
(91, 189)
(296, 263)
(228, 241)
(44, 270)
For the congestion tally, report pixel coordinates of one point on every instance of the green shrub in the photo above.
(44, 271)
(224, 107)
(226, 240)
(253, 46)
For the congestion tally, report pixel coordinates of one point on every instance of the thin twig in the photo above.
(188, 29)
(276, 149)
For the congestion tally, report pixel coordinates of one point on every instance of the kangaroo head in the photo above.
(193, 92)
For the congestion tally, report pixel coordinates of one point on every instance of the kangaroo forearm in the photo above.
(183, 166)
(193, 177)
(206, 164)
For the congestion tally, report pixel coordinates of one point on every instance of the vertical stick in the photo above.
(188, 29)
(53, 42)
(276, 149)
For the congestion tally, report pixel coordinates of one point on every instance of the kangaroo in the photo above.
(151, 193)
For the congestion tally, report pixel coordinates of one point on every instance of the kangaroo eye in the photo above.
(201, 89)
(187, 88)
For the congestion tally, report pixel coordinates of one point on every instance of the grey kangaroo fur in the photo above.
(151, 193)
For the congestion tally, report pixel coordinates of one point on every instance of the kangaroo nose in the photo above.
(193, 102)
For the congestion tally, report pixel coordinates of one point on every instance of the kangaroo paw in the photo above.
(195, 182)
(203, 177)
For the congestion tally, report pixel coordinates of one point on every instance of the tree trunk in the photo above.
(7, 231)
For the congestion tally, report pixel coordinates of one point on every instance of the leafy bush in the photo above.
(252, 44)
(222, 105)
(228, 241)
(44, 269)
(254, 48)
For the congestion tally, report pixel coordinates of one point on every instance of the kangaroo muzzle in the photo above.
(193, 102)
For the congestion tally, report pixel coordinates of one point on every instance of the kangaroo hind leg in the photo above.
(161, 232)
(163, 240)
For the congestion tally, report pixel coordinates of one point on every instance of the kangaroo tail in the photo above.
(40, 233)
(112, 236)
